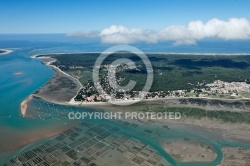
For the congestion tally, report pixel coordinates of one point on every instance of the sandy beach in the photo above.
(24, 105)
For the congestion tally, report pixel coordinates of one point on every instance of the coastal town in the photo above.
(217, 89)
(106, 89)
(166, 85)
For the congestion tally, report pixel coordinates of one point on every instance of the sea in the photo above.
(21, 75)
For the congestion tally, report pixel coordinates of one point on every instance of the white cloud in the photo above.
(234, 28)
(124, 35)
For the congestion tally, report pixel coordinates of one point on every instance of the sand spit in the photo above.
(24, 105)
(61, 88)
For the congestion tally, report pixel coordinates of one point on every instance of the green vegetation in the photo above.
(171, 72)
(197, 113)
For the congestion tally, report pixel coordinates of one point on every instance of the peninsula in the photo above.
(217, 107)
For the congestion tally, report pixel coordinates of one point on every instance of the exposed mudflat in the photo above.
(60, 88)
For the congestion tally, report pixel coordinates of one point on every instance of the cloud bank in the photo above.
(231, 29)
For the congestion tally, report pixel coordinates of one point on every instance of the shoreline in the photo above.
(78, 103)
(86, 104)
(165, 53)
(24, 105)
(71, 102)
(57, 71)
(55, 67)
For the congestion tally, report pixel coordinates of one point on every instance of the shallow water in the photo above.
(21, 75)
(53, 113)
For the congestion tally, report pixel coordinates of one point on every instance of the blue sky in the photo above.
(65, 16)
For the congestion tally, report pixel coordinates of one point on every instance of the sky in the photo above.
(130, 20)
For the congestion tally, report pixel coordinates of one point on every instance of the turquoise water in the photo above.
(14, 88)
(175, 132)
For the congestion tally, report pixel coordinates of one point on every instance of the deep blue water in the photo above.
(15, 88)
